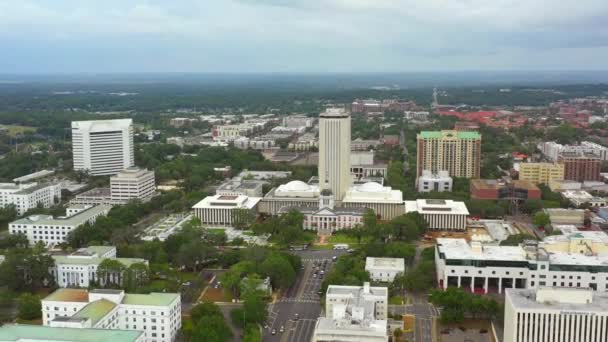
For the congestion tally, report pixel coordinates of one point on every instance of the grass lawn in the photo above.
(248, 233)
(342, 238)
(187, 276)
(31, 322)
(15, 129)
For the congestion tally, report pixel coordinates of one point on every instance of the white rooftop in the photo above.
(391, 264)
(372, 192)
(227, 202)
(558, 299)
(436, 206)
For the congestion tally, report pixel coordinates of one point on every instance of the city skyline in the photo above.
(301, 36)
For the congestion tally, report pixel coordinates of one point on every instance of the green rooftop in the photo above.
(96, 310)
(24, 332)
(75, 220)
(155, 299)
(442, 134)
(69, 295)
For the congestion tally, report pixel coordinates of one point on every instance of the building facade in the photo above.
(29, 196)
(490, 189)
(156, 315)
(384, 269)
(555, 314)
(79, 269)
(225, 211)
(541, 173)
(457, 152)
(353, 313)
(132, 184)
(334, 151)
(581, 167)
(103, 147)
(53, 231)
(438, 182)
(567, 261)
(37, 333)
(440, 214)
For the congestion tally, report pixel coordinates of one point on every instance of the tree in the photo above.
(252, 333)
(208, 324)
(541, 219)
(7, 214)
(280, 271)
(516, 239)
(137, 275)
(27, 268)
(255, 309)
(29, 307)
(110, 273)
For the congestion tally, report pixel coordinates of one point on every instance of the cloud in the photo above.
(301, 35)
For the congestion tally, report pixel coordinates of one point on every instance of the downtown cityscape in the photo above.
(240, 170)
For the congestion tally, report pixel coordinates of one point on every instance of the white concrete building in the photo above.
(566, 216)
(79, 269)
(28, 196)
(103, 147)
(221, 210)
(555, 314)
(157, 315)
(383, 200)
(353, 313)
(295, 121)
(132, 184)
(421, 116)
(580, 197)
(52, 231)
(573, 260)
(440, 214)
(334, 151)
(384, 269)
(601, 151)
(240, 187)
(438, 182)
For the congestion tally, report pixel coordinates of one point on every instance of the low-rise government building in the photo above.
(29, 196)
(555, 314)
(79, 269)
(575, 259)
(353, 313)
(223, 210)
(53, 231)
(384, 269)
(440, 214)
(156, 315)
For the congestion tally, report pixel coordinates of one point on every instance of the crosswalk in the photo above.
(298, 300)
(315, 259)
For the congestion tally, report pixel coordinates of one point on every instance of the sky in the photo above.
(115, 36)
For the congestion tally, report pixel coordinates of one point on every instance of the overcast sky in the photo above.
(301, 35)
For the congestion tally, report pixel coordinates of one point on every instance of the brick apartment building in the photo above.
(581, 166)
(491, 189)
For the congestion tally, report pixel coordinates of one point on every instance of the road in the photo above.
(424, 312)
(302, 299)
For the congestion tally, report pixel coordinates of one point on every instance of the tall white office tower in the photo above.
(103, 147)
(334, 151)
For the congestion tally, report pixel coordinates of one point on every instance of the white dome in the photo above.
(370, 187)
(296, 186)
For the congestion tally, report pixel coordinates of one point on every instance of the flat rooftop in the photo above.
(26, 332)
(153, 299)
(74, 220)
(436, 206)
(69, 295)
(355, 291)
(358, 330)
(449, 134)
(562, 299)
(397, 264)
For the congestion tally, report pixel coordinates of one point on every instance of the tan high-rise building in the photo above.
(457, 152)
(334, 151)
(541, 172)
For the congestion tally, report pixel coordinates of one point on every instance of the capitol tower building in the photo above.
(334, 151)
